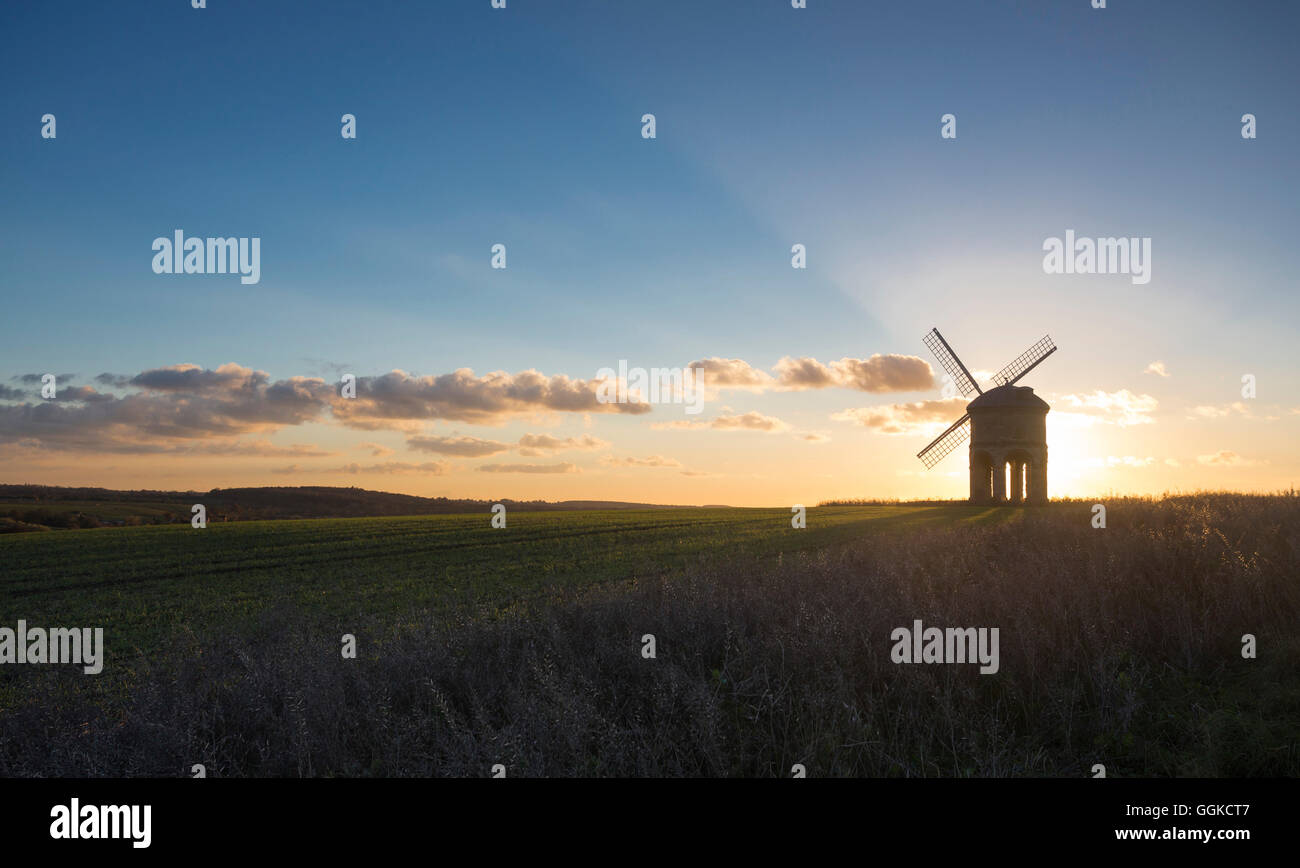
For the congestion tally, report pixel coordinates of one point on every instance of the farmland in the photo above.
(522, 645)
(145, 583)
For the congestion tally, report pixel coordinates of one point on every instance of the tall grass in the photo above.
(1119, 646)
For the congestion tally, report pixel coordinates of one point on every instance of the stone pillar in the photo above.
(1017, 480)
(999, 478)
(1038, 478)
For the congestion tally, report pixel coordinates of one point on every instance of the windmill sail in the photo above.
(965, 382)
(946, 442)
(1025, 362)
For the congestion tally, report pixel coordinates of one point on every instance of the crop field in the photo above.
(145, 583)
(523, 646)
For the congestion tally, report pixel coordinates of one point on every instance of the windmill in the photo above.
(1007, 426)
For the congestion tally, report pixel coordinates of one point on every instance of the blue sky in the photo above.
(775, 126)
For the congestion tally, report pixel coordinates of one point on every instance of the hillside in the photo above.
(47, 507)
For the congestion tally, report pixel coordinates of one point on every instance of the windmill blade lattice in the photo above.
(953, 365)
(946, 442)
(1025, 362)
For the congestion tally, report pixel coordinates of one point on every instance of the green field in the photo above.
(142, 584)
(98, 508)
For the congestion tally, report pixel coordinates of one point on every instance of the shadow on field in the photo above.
(1119, 646)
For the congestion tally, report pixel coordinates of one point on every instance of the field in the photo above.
(147, 583)
(522, 645)
(84, 514)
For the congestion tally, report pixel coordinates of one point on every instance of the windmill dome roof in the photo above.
(1008, 397)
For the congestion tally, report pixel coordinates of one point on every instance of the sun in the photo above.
(1069, 445)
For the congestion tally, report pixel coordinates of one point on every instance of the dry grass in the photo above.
(1118, 646)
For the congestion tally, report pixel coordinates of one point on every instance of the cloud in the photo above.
(533, 445)
(529, 468)
(914, 418)
(376, 449)
(431, 468)
(195, 380)
(117, 381)
(880, 373)
(530, 445)
(178, 404)
(469, 447)
(188, 402)
(803, 373)
(1236, 408)
(211, 447)
(462, 397)
(80, 393)
(258, 448)
(192, 448)
(650, 461)
(1157, 368)
(1121, 408)
(1226, 458)
(162, 409)
(1121, 461)
(813, 437)
(891, 373)
(751, 421)
(731, 374)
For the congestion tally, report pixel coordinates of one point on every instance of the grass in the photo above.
(522, 646)
(145, 583)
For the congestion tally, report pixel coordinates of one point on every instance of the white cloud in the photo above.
(468, 447)
(1121, 408)
(1236, 408)
(751, 421)
(914, 418)
(564, 467)
(1121, 461)
(649, 461)
(880, 373)
(1227, 458)
(532, 445)
(432, 468)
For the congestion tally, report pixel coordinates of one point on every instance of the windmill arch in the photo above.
(981, 476)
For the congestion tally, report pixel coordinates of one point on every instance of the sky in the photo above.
(523, 126)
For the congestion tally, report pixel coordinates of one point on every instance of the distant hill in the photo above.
(43, 507)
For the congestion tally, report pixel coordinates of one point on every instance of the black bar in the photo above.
(1030, 816)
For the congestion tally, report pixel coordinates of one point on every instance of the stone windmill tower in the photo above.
(1007, 426)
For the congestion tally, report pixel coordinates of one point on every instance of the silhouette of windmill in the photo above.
(1007, 426)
